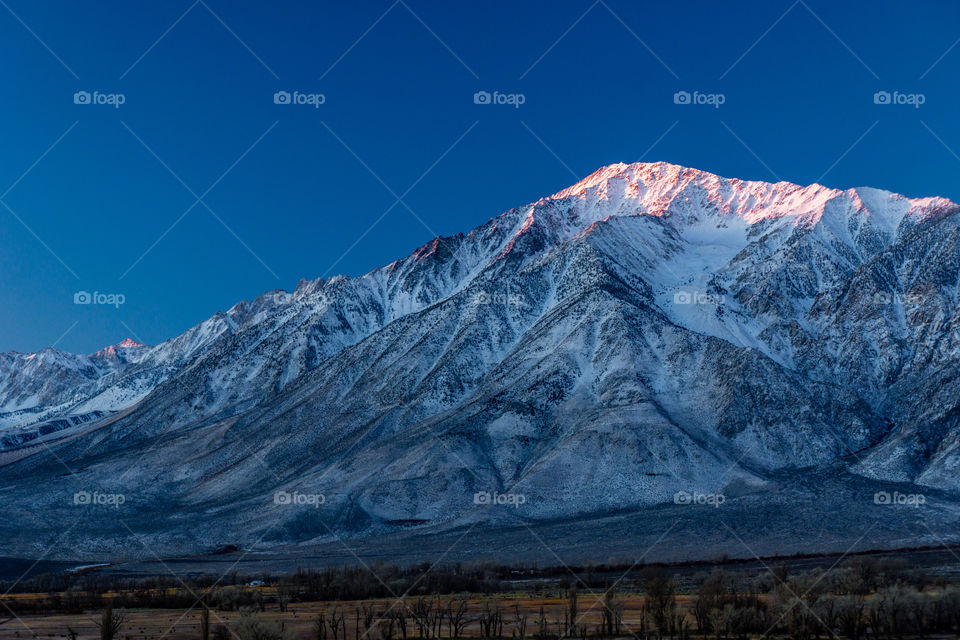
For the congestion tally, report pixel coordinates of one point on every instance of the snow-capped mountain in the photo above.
(652, 329)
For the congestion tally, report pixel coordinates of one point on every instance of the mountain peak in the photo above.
(126, 343)
(663, 173)
(663, 188)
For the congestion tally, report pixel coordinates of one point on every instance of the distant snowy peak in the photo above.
(669, 190)
(127, 343)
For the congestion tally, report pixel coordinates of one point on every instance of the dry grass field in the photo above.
(300, 618)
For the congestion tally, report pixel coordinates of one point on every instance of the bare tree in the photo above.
(570, 616)
(387, 626)
(110, 622)
(919, 614)
(320, 627)
(438, 614)
(457, 617)
(799, 622)
(491, 621)
(399, 616)
(251, 626)
(542, 630)
(850, 616)
(422, 612)
(337, 623)
(876, 615)
(717, 622)
(284, 595)
(365, 615)
(520, 622)
(660, 599)
(611, 616)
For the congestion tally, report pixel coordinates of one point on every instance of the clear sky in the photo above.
(104, 197)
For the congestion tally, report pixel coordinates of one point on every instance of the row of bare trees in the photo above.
(437, 617)
(823, 605)
(860, 600)
(403, 619)
(893, 613)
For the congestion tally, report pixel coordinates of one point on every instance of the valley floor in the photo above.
(299, 621)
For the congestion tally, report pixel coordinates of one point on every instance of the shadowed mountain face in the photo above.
(647, 336)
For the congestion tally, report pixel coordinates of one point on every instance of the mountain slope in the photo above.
(650, 330)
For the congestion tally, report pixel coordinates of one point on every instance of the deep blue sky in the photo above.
(399, 98)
